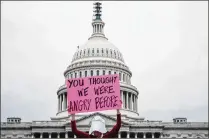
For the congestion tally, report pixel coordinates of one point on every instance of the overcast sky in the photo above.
(165, 45)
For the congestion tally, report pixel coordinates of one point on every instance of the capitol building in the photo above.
(98, 56)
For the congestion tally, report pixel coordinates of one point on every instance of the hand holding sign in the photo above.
(95, 93)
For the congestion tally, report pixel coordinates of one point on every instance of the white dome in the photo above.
(98, 42)
(98, 47)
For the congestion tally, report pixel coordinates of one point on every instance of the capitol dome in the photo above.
(98, 47)
(96, 57)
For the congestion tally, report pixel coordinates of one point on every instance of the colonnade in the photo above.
(53, 135)
(62, 102)
(98, 28)
(130, 101)
(126, 134)
(121, 134)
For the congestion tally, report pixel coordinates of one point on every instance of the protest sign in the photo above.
(95, 93)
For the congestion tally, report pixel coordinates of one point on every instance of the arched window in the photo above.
(85, 73)
(80, 74)
(124, 77)
(97, 50)
(75, 75)
(97, 72)
(115, 72)
(102, 51)
(93, 50)
(109, 72)
(92, 73)
(103, 72)
(84, 52)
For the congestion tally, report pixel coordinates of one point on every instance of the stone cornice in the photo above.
(91, 66)
(186, 128)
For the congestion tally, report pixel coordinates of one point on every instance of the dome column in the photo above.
(58, 103)
(131, 102)
(126, 100)
(136, 104)
(64, 100)
(122, 98)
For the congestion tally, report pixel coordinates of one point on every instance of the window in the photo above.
(88, 51)
(75, 75)
(92, 50)
(80, 74)
(107, 51)
(111, 52)
(102, 51)
(92, 73)
(109, 72)
(84, 52)
(85, 73)
(120, 76)
(115, 73)
(97, 50)
(103, 72)
(81, 52)
(71, 75)
(97, 72)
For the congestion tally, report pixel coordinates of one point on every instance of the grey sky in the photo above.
(165, 45)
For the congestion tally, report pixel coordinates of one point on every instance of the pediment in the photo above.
(110, 121)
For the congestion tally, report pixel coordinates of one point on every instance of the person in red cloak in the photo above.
(97, 129)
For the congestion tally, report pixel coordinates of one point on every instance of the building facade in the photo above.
(100, 57)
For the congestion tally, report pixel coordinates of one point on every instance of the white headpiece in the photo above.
(97, 124)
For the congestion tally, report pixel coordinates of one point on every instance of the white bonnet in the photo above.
(97, 124)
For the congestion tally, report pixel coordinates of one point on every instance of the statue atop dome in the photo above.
(97, 11)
